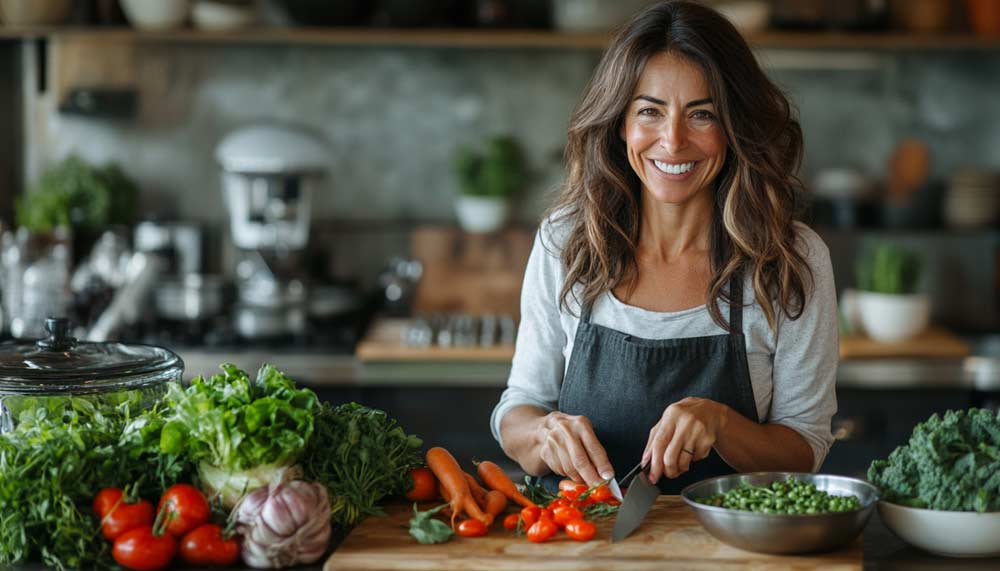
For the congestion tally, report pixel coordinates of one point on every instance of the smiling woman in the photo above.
(674, 314)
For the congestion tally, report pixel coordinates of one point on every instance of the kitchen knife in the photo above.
(639, 499)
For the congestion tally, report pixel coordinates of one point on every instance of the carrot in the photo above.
(496, 479)
(454, 484)
(496, 503)
(477, 491)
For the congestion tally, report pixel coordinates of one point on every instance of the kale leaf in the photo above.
(950, 463)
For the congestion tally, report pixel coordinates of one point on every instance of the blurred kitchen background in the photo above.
(349, 189)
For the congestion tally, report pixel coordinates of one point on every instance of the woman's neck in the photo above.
(668, 232)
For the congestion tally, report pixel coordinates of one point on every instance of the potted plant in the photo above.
(486, 180)
(889, 305)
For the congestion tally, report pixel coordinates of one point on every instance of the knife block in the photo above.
(470, 273)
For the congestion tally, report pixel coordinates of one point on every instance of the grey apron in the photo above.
(623, 383)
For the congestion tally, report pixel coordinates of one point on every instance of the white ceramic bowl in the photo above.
(952, 534)
(208, 15)
(156, 14)
(890, 318)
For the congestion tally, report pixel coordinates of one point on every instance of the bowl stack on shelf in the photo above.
(973, 199)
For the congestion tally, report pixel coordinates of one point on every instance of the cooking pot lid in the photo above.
(61, 360)
(273, 149)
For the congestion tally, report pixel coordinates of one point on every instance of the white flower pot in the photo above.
(481, 214)
(889, 317)
(156, 14)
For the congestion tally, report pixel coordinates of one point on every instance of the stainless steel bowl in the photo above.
(782, 533)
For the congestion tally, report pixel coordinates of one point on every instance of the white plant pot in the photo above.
(156, 14)
(481, 214)
(889, 318)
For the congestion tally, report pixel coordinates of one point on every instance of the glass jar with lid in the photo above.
(54, 371)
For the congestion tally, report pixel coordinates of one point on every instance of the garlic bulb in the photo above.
(284, 524)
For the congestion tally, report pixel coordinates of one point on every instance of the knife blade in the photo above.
(639, 498)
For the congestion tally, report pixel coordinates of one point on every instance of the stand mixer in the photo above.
(270, 173)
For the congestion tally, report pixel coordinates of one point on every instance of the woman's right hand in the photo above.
(569, 447)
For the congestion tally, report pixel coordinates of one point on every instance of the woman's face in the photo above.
(672, 134)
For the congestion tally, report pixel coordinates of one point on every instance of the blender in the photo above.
(270, 174)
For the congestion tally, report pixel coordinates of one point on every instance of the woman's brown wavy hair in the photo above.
(755, 192)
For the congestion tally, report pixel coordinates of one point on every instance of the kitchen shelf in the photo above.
(507, 39)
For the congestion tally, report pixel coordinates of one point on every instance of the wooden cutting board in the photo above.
(669, 538)
(932, 343)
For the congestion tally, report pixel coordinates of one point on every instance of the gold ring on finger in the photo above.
(691, 452)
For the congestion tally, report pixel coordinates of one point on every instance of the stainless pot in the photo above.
(193, 297)
(257, 323)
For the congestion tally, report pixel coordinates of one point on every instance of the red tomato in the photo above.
(564, 515)
(204, 545)
(140, 549)
(425, 485)
(574, 493)
(510, 522)
(601, 494)
(530, 515)
(105, 500)
(567, 485)
(545, 513)
(472, 528)
(557, 503)
(581, 530)
(189, 506)
(126, 517)
(542, 531)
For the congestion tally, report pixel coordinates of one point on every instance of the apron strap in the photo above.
(736, 304)
(585, 314)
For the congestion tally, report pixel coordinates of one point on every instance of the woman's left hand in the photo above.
(685, 433)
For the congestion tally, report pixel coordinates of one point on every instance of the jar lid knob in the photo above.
(59, 335)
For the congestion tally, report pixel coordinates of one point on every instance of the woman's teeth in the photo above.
(674, 169)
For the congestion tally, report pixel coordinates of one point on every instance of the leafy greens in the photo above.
(241, 433)
(55, 461)
(950, 463)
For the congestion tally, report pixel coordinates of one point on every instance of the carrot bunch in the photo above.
(464, 494)
(444, 477)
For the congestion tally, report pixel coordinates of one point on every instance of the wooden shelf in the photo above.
(505, 39)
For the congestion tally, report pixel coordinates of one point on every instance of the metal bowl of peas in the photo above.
(783, 512)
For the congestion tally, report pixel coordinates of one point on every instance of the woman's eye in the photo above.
(703, 115)
(649, 111)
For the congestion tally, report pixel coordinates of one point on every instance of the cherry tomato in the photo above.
(472, 528)
(564, 515)
(581, 530)
(204, 545)
(105, 500)
(189, 506)
(530, 515)
(601, 494)
(425, 485)
(510, 522)
(542, 530)
(574, 493)
(545, 513)
(614, 502)
(140, 549)
(567, 485)
(558, 503)
(126, 517)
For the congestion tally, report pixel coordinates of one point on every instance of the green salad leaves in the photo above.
(950, 463)
(54, 462)
(241, 433)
